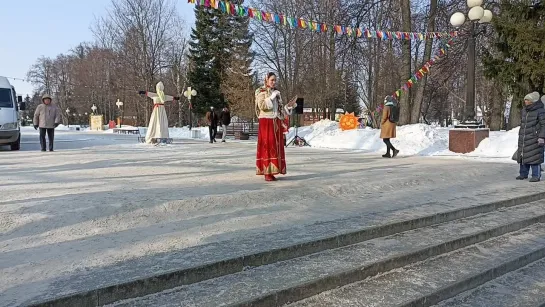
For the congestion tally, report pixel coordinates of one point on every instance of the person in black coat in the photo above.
(530, 153)
(225, 119)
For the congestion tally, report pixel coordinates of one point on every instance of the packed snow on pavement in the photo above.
(104, 209)
(419, 140)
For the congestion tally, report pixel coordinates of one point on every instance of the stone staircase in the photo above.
(472, 256)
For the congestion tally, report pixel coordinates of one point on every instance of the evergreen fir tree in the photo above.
(237, 83)
(519, 59)
(219, 53)
(203, 74)
(30, 108)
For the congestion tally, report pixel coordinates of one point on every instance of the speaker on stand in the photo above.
(297, 140)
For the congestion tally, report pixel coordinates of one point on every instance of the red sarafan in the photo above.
(270, 157)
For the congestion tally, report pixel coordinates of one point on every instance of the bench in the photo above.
(238, 133)
(132, 130)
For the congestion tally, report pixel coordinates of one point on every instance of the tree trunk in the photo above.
(376, 100)
(515, 114)
(370, 78)
(332, 75)
(419, 97)
(405, 101)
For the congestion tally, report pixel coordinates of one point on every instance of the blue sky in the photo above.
(34, 28)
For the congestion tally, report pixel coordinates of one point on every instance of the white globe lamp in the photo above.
(457, 19)
(474, 3)
(487, 17)
(476, 13)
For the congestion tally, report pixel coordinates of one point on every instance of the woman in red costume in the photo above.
(271, 159)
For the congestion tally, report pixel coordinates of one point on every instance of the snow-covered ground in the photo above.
(421, 140)
(104, 209)
(412, 140)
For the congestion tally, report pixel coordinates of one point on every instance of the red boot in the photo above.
(270, 178)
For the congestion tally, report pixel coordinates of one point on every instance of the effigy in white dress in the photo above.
(158, 124)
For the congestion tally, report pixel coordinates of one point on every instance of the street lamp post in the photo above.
(189, 93)
(476, 14)
(119, 105)
(68, 117)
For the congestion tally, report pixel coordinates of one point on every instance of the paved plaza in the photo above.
(104, 209)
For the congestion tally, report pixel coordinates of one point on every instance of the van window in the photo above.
(6, 98)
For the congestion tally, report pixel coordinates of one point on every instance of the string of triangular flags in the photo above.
(419, 74)
(300, 23)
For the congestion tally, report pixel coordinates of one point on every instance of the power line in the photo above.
(79, 85)
(18, 79)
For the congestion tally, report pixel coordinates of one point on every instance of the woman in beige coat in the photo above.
(47, 117)
(388, 128)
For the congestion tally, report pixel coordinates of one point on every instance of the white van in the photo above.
(10, 132)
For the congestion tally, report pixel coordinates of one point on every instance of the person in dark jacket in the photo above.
(212, 119)
(225, 118)
(530, 154)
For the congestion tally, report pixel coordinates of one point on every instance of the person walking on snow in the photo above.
(47, 117)
(212, 119)
(530, 154)
(388, 125)
(225, 119)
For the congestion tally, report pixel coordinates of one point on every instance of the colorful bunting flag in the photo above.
(423, 71)
(238, 10)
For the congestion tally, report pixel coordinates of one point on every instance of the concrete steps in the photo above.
(204, 262)
(522, 288)
(421, 265)
(439, 278)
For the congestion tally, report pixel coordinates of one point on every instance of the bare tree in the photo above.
(141, 31)
(41, 75)
(178, 66)
(416, 111)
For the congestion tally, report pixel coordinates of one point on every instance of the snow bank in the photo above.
(419, 139)
(185, 133)
(176, 133)
(414, 139)
(500, 144)
(61, 127)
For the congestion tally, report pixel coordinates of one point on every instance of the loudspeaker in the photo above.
(300, 105)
